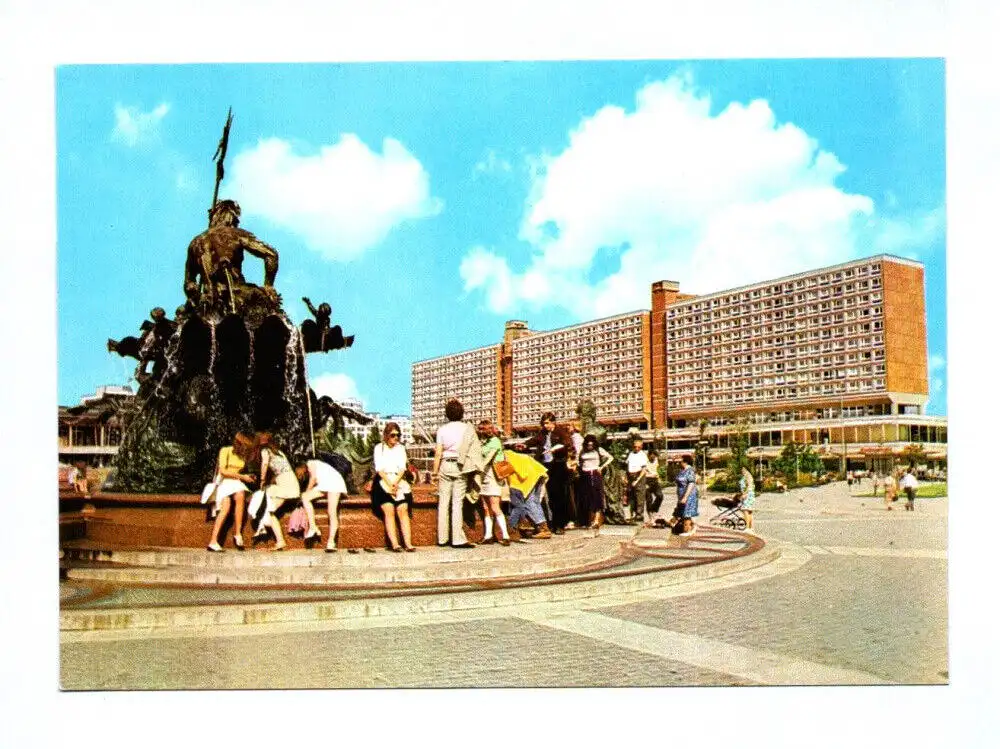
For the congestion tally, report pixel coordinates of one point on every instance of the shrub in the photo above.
(769, 484)
(724, 483)
(805, 479)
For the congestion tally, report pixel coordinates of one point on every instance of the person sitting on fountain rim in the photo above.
(392, 496)
(323, 479)
(77, 478)
(231, 482)
(280, 485)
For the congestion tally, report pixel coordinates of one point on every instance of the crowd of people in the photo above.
(551, 483)
(259, 460)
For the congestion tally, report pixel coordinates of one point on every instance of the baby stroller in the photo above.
(731, 515)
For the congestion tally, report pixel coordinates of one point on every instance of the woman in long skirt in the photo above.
(592, 461)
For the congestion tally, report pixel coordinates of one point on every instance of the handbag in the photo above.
(298, 521)
(503, 469)
(410, 474)
(209, 492)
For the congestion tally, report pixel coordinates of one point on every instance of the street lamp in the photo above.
(703, 444)
(843, 439)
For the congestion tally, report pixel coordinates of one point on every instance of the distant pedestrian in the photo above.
(876, 484)
(909, 485)
(891, 490)
(748, 496)
(576, 478)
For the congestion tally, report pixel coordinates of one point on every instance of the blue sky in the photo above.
(430, 202)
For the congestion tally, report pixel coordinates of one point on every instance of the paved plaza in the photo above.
(858, 595)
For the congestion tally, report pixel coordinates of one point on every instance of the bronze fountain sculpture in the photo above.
(230, 360)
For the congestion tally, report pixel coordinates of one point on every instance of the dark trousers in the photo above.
(560, 500)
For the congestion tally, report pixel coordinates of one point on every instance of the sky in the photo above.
(428, 203)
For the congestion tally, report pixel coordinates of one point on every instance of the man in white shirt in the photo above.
(909, 485)
(451, 481)
(636, 467)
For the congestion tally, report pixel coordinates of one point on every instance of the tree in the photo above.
(739, 443)
(915, 454)
(701, 446)
(795, 458)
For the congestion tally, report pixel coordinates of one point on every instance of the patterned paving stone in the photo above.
(494, 653)
(884, 616)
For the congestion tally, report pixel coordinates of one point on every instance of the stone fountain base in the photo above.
(123, 520)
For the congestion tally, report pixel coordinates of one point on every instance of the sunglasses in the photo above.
(393, 434)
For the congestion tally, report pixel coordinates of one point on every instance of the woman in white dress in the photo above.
(323, 479)
(391, 492)
(280, 485)
(231, 485)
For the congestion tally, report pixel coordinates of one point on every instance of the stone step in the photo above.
(263, 557)
(82, 622)
(344, 570)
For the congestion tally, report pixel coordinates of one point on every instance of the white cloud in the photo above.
(669, 190)
(338, 386)
(936, 362)
(133, 127)
(342, 200)
(492, 163)
(902, 236)
(483, 269)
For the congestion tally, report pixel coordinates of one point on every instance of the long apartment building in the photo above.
(836, 357)
(472, 376)
(607, 361)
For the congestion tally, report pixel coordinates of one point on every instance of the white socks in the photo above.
(501, 524)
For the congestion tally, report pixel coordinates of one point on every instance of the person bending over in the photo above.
(323, 479)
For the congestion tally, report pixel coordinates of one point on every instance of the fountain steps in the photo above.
(85, 561)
